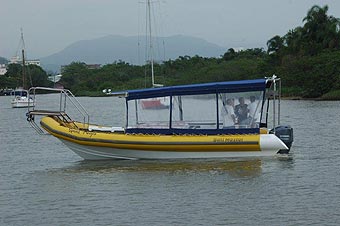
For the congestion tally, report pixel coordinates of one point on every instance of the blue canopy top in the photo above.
(196, 89)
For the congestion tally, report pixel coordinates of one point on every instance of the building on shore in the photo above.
(18, 60)
(55, 78)
(88, 66)
(3, 69)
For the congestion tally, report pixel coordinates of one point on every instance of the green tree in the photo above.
(37, 76)
(74, 74)
(229, 55)
(275, 44)
(14, 75)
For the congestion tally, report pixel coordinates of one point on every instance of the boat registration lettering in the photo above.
(227, 140)
(71, 130)
(90, 133)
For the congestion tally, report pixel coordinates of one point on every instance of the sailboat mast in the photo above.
(151, 47)
(23, 60)
(23, 69)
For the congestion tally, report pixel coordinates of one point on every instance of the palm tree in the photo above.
(229, 55)
(321, 30)
(293, 40)
(275, 44)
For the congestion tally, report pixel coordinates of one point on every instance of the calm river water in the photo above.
(43, 183)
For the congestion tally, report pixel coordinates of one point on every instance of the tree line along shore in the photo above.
(307, 59)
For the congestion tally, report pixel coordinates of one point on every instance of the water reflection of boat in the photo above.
(235, 167)
(185, 130)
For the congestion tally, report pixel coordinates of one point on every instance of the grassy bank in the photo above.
(332, 95)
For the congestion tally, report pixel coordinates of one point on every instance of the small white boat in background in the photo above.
(21, 99)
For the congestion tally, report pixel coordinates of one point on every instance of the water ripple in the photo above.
(43, 183)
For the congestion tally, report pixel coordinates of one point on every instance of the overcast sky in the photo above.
(50, 25)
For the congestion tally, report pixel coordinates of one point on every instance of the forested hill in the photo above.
(307, 59)
(130, 49)
(3, 60)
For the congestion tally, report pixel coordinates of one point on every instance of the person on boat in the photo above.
(241, 112)
(254, 113)
(228, 114)
(233, 102)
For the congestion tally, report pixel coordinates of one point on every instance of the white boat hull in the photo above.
(269, 143)
(22, 102)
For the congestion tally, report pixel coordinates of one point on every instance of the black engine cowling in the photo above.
(285, 133)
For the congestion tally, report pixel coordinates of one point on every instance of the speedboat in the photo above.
(194, 125)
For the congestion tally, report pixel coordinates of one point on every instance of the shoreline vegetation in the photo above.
(307, 59)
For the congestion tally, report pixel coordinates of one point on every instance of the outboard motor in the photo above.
(285, 133)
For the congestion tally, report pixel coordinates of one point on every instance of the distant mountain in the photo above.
(114, 47)
(3, 60)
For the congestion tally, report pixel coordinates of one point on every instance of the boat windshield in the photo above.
(22, 93)
(212, 113)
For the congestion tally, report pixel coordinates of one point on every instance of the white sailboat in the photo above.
(20, 95)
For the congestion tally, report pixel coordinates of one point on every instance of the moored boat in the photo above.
(20, 95)
(156, 103)
(202, 121)
(20, 99)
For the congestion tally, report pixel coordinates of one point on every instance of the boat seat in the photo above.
(106, 128)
